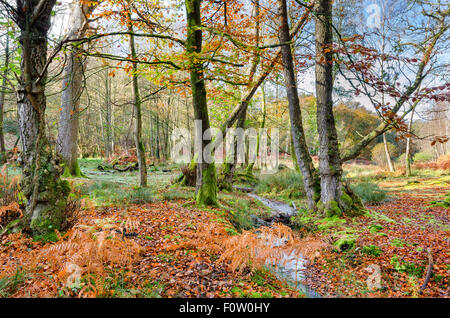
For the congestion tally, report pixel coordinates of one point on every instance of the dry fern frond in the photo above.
(255, 249)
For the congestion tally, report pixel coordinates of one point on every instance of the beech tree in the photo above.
(45, 193)
(2, 98)
(302, 154)
(137, 104)
(72, 88)
(206, 181)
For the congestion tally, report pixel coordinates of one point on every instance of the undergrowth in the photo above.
(286, 183)
(369, 193)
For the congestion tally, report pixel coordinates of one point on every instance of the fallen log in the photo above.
(130, 167)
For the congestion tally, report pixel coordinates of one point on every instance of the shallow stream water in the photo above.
(289, 266)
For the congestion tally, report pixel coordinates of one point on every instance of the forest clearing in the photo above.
(224, 149)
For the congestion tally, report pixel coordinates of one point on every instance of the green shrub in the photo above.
(422, 156)
(369, 193)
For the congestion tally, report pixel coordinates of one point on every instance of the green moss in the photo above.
(73, 171)
(333, 209)
(303, 220)
(346, 200)
(15, 226)
(346, 242)
(330, 222)
(372, 250)
(410, 268)
(45, 238)
(398, 242)
(207, 194)
(375, 228)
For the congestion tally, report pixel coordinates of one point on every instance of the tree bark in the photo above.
(72, 86)
(206, 183)
(230, 167)
(108, 129)
(262, 125)
(45, 192)
(2, 100)
(140, 148)
(408, 148)
(387, 154)
(335, 197)
(310, 180)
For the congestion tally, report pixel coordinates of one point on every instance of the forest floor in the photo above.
(393, 240)
(129, 242)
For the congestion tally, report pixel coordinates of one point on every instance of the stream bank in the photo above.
(289, 266)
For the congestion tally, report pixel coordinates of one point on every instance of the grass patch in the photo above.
(241, 215)
(105, 192)
(369, 193)
(177, 194)
(9, 284)
(329, 223)
(287, 184)
(140, 196)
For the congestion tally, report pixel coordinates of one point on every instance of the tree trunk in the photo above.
(294, 156)
(262, 125)
(335, 197)
(158, 155)
(72, 83)
(206, 188)
(108, 124)
(388, 155)
(45, 192)
(408, 148)
(140, 148)
(304, 160)
(230, 167)
(2, 99)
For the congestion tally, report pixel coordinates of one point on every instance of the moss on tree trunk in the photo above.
(46, 194)
(206, 183)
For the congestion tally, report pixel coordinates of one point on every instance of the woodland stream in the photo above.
(289, 266)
